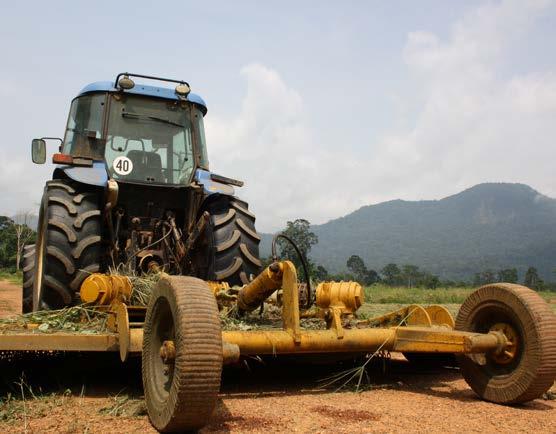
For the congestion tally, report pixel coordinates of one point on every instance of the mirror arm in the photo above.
(42, 143)
(53, 138)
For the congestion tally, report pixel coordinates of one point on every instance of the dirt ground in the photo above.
(10, 298)
(80, 393)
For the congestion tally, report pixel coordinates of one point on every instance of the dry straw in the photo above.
(80, 319)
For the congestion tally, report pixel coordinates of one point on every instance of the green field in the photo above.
(382, 294)
(11, 277)
(380, 299)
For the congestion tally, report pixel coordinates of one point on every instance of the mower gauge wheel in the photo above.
(182, 354)
(526, 367)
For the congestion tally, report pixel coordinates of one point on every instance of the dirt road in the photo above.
(10, 299)
(77, 393)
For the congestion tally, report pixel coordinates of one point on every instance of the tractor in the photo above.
(132, 188)
(132, 193)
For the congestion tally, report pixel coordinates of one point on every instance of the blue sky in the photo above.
(321, 107)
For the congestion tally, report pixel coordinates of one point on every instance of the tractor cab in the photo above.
(131, 189)
(144, 134)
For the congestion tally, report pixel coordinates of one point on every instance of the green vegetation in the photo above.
(408, 276)
(356, 266)
(11, 276)
(489, 226)
(380, 293)
(381, 299)
(80, 319)
(298, 231)
(19, 408)
(14, 235)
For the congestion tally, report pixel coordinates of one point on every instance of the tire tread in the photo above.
(536, 372)
(235, 242)
(72, 241)
(198, 364)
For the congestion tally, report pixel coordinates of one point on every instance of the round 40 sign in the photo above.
(122, 166)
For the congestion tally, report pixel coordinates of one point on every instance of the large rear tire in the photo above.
(234, 245)
(28, 268)
(68, 245)
(181, 384)
(525, 369)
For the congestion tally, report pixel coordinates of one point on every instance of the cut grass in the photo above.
(25, 403)
(125, 405)
(80, 319)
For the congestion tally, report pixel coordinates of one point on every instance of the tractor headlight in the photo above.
(183, 89)
(126, 83)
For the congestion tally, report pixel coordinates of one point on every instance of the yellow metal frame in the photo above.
(103, 289)
(411, 329)
(29, 341)
(418, 329)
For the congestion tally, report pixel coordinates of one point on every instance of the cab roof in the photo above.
(143, 89)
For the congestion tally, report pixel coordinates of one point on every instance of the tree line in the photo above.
(531, 278)
(14, 235)
(392, 274)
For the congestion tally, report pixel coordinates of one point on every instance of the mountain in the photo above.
(492, 225)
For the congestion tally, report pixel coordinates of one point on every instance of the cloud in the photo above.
(269, 145)
(471, 115)
(474, 124)
(17, 196)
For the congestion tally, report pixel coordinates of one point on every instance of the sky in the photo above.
(321, 107)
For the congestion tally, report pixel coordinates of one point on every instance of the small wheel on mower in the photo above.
(527, 367)
(182, 354)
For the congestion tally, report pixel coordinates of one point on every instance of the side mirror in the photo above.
(38, 151)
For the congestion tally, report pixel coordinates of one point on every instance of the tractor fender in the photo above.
(94, 175)
(210, 186)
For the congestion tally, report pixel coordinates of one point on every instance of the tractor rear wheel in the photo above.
(234, 242)
(526, 368)
(68, 245)
(28, 268)
(182, 354)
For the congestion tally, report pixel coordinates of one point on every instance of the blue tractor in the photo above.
(132, 188)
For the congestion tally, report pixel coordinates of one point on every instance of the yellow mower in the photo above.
(132, 188)
(504, 336)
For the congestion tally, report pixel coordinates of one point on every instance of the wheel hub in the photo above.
(168, 352)
(509, 352)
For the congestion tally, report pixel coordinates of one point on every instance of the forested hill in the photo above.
(494, 225)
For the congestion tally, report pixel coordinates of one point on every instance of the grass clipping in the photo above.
(84, 319)
(142, 287)
(355, 376)
(78, 319)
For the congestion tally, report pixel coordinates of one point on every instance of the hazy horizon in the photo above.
(34, 213)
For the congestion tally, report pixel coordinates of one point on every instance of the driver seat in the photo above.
(147, 166)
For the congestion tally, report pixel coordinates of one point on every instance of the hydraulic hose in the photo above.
(303, 264)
